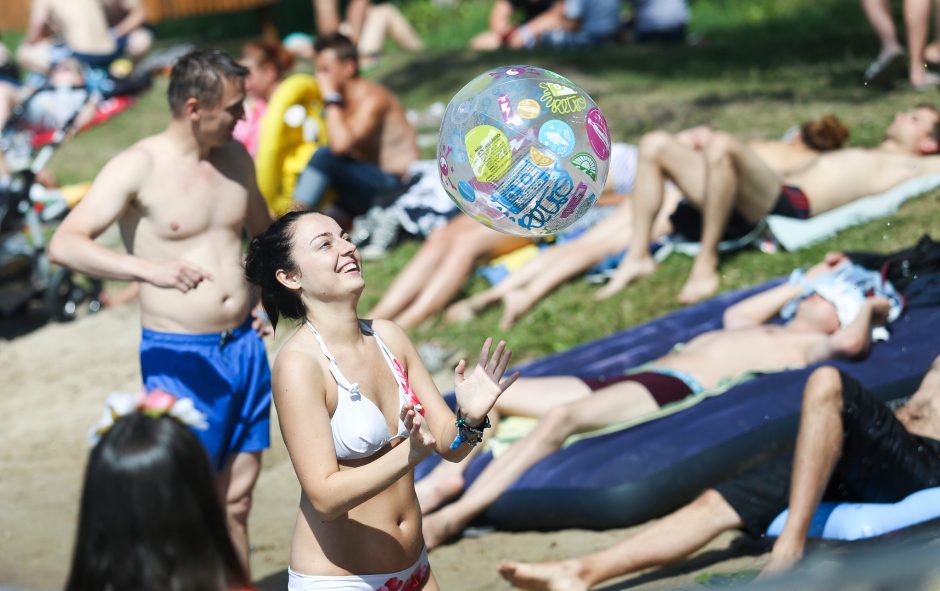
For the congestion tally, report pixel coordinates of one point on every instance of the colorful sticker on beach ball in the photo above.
(523, 150)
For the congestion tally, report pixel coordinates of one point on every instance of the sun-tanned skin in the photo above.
(182, 200)
(566, 405)
(526, 287)
(81, 23)
(685, 531)
(371, 124)
(738, 178)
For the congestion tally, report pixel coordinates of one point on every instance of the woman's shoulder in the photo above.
(297, 359)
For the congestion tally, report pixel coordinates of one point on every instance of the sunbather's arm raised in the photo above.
(854, 340)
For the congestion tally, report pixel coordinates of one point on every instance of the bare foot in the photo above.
(515, 303)
(782, 559)
(698, 287)
(463, 311)
(434, 490)
(438, 528)
(546, 576)
(628, 272)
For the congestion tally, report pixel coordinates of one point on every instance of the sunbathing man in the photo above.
(725, 179)
(82, 30)
(553, 266)
(850, 447)
(184, 199)
(567, 405)
(371, 144)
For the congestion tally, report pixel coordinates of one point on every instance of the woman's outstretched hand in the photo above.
(421, 442)
(477, 392)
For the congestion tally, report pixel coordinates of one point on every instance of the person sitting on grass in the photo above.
(150, 518)
(729, 182)
(553, 266)
(820, 329)
(849, 448)
(371, 145)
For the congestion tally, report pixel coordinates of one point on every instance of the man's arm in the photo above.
(761, 307)
(526, 34)
(134, 19)
(346, 129)
(257, 216)
(854, 341)
(73, 245)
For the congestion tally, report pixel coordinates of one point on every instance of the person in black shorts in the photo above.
(850, 447)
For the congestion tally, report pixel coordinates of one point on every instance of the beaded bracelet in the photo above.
(472, 435)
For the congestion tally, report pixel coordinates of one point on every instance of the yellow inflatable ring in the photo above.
(291, 130)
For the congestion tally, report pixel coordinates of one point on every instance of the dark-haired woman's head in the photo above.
(267, 62)
(301, 259)
(150, 517)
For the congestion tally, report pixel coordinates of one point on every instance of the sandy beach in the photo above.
(55, 379)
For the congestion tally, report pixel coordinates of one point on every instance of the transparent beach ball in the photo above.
(523, 150)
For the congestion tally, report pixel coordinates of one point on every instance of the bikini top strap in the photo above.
(353, 387)
(393, 363)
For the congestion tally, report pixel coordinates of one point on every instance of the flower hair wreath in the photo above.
(156, 403)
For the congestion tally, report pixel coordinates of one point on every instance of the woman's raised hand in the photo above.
(421, 441)
(477, 393)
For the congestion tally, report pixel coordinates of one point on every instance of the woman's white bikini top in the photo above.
(359, 427)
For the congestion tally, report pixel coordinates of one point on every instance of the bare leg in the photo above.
(932, 51)
(236, 483)
(668, 540)
(389, 19)
(613, 404)
(326, 15)
(454, 267)
(878, 13)
(528, 397)
(737, 179)
(818, 448)
(409, 281)
(660, 155)
(916, 13)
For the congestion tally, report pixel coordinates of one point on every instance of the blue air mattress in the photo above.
(630, 476)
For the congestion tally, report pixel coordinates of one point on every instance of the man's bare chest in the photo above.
(185, 202)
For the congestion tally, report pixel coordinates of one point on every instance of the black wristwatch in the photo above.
(333, 99)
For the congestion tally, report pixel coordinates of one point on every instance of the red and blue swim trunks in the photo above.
(792, 203)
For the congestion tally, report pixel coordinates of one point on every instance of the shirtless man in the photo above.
(566, 405)
(82, 26)
(183, 200)
(371, 144)
(840, 455)
(724, 178)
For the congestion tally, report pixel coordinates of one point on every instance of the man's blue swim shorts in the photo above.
(225, 374)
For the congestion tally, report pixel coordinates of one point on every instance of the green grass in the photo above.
(762, 67)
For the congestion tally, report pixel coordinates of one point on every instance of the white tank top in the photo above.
(359, 427)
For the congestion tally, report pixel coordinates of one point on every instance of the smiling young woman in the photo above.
(358, 410)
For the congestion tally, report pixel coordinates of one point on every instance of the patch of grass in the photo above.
(764, 66)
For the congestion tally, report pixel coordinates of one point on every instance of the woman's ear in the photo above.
(288, 279)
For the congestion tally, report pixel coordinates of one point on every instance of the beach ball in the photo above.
(523, 150)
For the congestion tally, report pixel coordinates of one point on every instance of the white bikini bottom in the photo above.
(408, 579)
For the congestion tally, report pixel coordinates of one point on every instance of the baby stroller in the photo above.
(29, 212)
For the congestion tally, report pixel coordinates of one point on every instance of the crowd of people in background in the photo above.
(358, 407)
